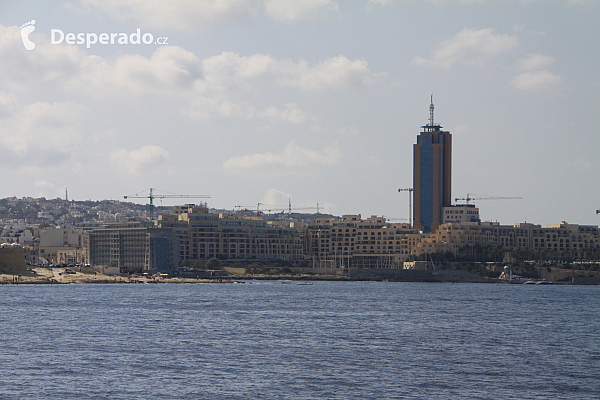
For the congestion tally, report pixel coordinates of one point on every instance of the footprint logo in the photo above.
(26, 29)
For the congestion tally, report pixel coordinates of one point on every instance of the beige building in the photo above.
(559, 240)
(230, 236)
(63, 246)
(355, 242)
(461, 213)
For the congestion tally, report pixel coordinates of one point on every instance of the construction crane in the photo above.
(271, 207)
(409, 190)
(151, 196)
(393, 219)
(469, 198)
(301, 208)
(248, 208)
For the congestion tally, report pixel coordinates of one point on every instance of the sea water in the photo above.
(328, 340)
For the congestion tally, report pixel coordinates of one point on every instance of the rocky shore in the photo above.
(57, 276)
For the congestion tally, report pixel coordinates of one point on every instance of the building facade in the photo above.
(432, 175)
(204, 235)
(353, 242)
(461, 213)
(134, 247)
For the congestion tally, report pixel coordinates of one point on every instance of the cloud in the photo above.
(535, 75)
(170, 69)
(384, 3)
(193, 15)
(536, 80)
(229, 69)
(40, 133)
(469, 46)
(292, 10)
(276, 197)
(140, 160)
(381, 3)
(184, 15)
(334, 72)
(293, 156)
(291, 113)
(535, 62)
(47, 189)
(221, 86)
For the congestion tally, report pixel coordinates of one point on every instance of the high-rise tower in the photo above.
(432, 175)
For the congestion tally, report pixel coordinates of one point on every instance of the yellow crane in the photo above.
(151, 196)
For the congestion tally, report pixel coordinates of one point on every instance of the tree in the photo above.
(213, 263)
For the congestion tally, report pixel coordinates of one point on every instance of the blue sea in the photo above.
(328, 340)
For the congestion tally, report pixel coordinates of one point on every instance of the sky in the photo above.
(313, 102)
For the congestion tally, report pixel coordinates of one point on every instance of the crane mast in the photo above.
(410, 190)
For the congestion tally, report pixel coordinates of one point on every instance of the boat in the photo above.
(305, 283)
(543, 282)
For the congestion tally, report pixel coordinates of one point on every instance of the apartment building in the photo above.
(134, 247)
(355, 242)
(560, 239)
(204, 234)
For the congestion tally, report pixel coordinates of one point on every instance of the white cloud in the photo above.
(293, 156)
(170, 69)
(221, 86)
(229, 69)
(291, 113)
(536, 80)
(192, 15)
(40, 133)
(535, 62)
(349, 131)
(384, 3)
(334, 72)
(185, 15)
(535, 75)
(469, 46)
(47, 189)
(276, 197)
(140, 160)
(292, 10)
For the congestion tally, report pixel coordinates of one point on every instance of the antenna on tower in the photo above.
(431, 111)
(431, 127)
(66, 194)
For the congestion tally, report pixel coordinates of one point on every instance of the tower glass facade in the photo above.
(432, 175)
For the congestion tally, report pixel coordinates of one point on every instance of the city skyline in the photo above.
(316, 102)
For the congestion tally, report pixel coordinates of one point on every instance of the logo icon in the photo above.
(26, 29)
